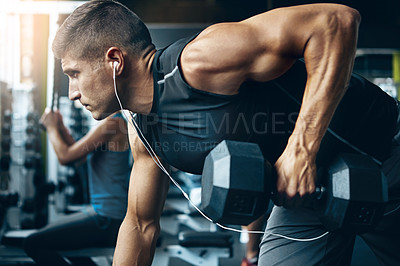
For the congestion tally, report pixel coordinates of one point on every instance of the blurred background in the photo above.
(34, 187)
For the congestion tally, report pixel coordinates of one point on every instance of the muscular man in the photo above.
(278, 79)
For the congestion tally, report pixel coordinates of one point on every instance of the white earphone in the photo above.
(115, 64)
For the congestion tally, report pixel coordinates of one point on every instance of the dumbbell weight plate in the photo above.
(235, 183)
(356, 195)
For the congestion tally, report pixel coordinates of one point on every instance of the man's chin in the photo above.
(99, 115)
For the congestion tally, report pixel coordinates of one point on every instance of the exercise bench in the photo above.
(196, 248)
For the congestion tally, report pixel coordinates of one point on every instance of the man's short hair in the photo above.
(96, 26)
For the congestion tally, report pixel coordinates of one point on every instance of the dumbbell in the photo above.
(6, 143)
(5, 161)
(32, 144)
(32, 129)
(7, 116)
(6, 129)
(32, 117)
(32, 160)
(237, 183)
(9, 200)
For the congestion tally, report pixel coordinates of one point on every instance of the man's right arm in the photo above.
(140, 229)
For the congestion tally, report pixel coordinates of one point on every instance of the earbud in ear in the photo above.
(115, 64)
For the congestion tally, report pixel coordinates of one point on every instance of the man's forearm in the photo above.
(134, 246)
(66, 135)
(329, 57)
(58, 143)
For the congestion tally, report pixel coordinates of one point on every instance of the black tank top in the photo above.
(186, 123)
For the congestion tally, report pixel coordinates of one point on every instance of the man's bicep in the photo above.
(287, 32)
(148, 185)
(148, 188)
(262, 47)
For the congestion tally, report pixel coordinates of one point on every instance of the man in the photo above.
(107, 150)
(240, 81)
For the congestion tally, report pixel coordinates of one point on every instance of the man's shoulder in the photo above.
(174, 49)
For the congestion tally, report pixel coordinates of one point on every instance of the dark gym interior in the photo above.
(35, 189)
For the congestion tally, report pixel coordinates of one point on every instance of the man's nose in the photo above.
(73, 93)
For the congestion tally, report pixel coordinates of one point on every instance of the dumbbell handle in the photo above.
(312, 200)
(318, 193)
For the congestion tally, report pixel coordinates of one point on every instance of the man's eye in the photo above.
(72, 74)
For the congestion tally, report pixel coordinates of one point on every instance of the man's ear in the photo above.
(115, 58)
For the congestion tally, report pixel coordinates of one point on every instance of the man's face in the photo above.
(91, 85)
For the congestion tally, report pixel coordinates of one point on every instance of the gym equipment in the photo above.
(237, 185)
(32, 160)
(6, 129)
(32, 129)
(6, 143)
(186, 235)
(356, 194)
(7, 116)
(12, 242)
(196, 248)
(8, 200)
(32, 144)
(5, 161)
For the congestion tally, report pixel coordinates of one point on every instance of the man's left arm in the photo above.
(264, 47)
(329, 57)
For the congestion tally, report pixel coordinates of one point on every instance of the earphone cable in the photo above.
(154, 157)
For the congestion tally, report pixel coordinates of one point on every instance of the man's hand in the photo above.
(296, 175)
(51, 119)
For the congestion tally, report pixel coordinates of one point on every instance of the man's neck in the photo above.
(140, 88)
